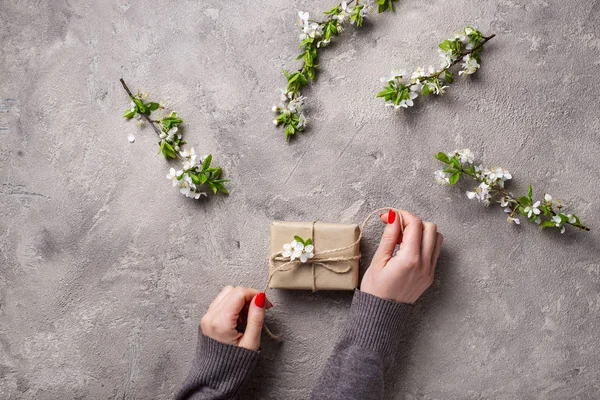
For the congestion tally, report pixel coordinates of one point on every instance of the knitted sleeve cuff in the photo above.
(375, 323)
(218, 367)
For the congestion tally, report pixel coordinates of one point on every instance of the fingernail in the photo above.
(260, 300)
(391, 216)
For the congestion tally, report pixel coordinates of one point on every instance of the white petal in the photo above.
(131, 138)
(303, 258)
(309, 248)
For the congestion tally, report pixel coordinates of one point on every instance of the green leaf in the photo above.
(167, 150)
(195, 179)
(449, 76)
(153, 106)
(546, 223)
(446, 45)
(202, 178)
(298, 239)
(308, 241)
(443, 157)
(524, 200)
(530, 193)
(140, 105)
(129, 114)
(207, 162)
(454, 177)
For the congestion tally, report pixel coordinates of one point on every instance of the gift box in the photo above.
(331, 263)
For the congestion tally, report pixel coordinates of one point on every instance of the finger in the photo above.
(220, 296)
(236, 299)
(384, 218)
(428, 241)
(256, 318)
(413, 231)
(438, 249)
(389, 239)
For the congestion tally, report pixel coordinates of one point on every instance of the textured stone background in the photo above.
(106, 270)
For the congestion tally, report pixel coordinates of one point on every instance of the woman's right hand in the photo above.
(405, 276)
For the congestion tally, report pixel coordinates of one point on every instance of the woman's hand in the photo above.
(232, 308)
(405, 276)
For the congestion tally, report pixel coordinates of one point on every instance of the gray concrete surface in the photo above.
(106, 271)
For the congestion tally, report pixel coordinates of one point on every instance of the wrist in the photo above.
(377, 323)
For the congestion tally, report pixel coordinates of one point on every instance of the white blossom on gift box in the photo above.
(466, 46)
(299, 249)
(491, 187)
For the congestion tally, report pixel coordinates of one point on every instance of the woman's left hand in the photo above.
(233, 307)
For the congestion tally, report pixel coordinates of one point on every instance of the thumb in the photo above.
(256, 317)
(389, 239)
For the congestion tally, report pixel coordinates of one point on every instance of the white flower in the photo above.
(465, 156)
(303, 253)
(344, 14)
(558, 223)
(416, 87)
(435, 87)
(323, 43)
(131, 138)
(419, 72)
(506, 201)
(446, 58)
(468, 30)
(303, 18)
(512, 220)
(172, 176)
(274, 108)
(191, 158)
(470, 65)
(548, 198)
(407, 102)
(288, 250)
(395, 73)
(481, 193)
(296, 104)
(185, 184)
(441, 177)
(285, 95)
(302, 122)
(460, 35)
(312, 30)
(571, 218)
(275, 122)
(162, 135)
(533, 209)
(195, 195)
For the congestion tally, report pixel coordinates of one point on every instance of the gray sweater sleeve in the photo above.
(219, 370)
(366, 348)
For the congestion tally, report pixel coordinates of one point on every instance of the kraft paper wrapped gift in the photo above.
(327, 270)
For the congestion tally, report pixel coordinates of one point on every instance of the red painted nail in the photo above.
(260, 300)
(391, 216)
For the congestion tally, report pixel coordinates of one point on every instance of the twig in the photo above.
(151, 122)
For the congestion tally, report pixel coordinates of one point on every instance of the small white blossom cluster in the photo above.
(298, 249)
(315, 35)
(182, 179)
(546, 213)
(401, 88)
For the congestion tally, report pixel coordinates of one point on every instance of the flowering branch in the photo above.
(466, 46)
(314, 36)
(491, 187)
(195, 171)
